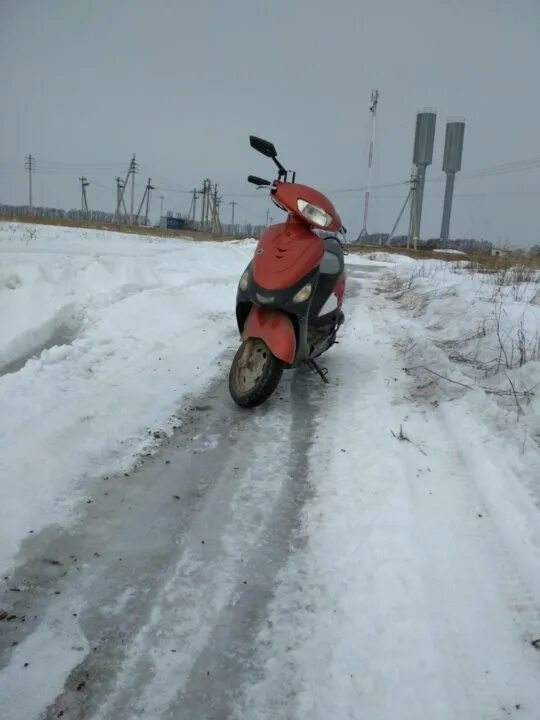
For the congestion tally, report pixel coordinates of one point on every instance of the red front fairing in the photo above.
(285, 254)
(275, 328)
(286, 196)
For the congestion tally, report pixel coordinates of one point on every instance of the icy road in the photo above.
(366, 550)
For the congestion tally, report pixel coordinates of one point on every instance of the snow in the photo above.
(378, 259)
(365, 549)
(477, 328)
(416, 596)
(57, 645)
(112, 331)
(449, 251)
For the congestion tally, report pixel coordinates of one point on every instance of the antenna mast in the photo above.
(373, 114)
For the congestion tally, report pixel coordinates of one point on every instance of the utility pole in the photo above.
(203, 204)
(215, 212)
(192, 214)
(146, 196)
(216, 202)
(84, 200)
(208, 202)
(194, 205)
(413, 220)
(30, 165)
(132, 170)
(161, 209)
(120, 200)
(233, 204)
(149, 189)
(411, 198)
(119, 187)
(373, 112)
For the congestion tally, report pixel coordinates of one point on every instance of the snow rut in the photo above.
(170, 616)
(60, 330)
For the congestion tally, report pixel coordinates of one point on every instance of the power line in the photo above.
(494, 170)
(100, 185)
(517, 164)
(78, 171)
(373, 187)
(175, 190)
(77, 163)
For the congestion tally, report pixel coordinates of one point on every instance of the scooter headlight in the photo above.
(317, 215)
(303, 294)
(244, 281)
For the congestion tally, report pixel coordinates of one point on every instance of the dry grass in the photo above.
(483, 262)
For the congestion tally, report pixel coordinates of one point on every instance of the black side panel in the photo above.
(242, 312)
(322, 293)
(332, 245)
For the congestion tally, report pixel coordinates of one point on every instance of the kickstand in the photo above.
(321, 371)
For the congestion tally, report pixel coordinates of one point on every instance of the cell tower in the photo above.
(453, 151)
(424, 138)
(373, 115)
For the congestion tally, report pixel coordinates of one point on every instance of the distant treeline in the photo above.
(97, 215)
(245, 230)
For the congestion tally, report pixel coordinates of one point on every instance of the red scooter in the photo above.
(288, 305)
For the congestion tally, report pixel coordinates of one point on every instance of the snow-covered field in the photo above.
(101, 337)
(366, 549)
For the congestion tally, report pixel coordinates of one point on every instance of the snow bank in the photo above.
(378, 259)
(449, 251)
(480, 328)
(102, 335)
(390, 258)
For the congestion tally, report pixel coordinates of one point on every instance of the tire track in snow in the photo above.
(481, 611)
(481, 589)
(408, 605)
(147, 574)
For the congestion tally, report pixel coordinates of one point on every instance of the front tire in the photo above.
(255, 373)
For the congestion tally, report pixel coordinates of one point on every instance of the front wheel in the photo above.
(255, 373)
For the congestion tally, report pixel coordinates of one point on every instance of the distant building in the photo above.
(173, 221)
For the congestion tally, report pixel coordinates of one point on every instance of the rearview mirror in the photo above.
(263, 146)
(257, 180)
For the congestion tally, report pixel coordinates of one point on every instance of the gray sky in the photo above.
(184, 82)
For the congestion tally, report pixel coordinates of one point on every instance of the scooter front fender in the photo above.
(275, 328)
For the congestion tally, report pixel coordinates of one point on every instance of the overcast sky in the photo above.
(183, 83)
